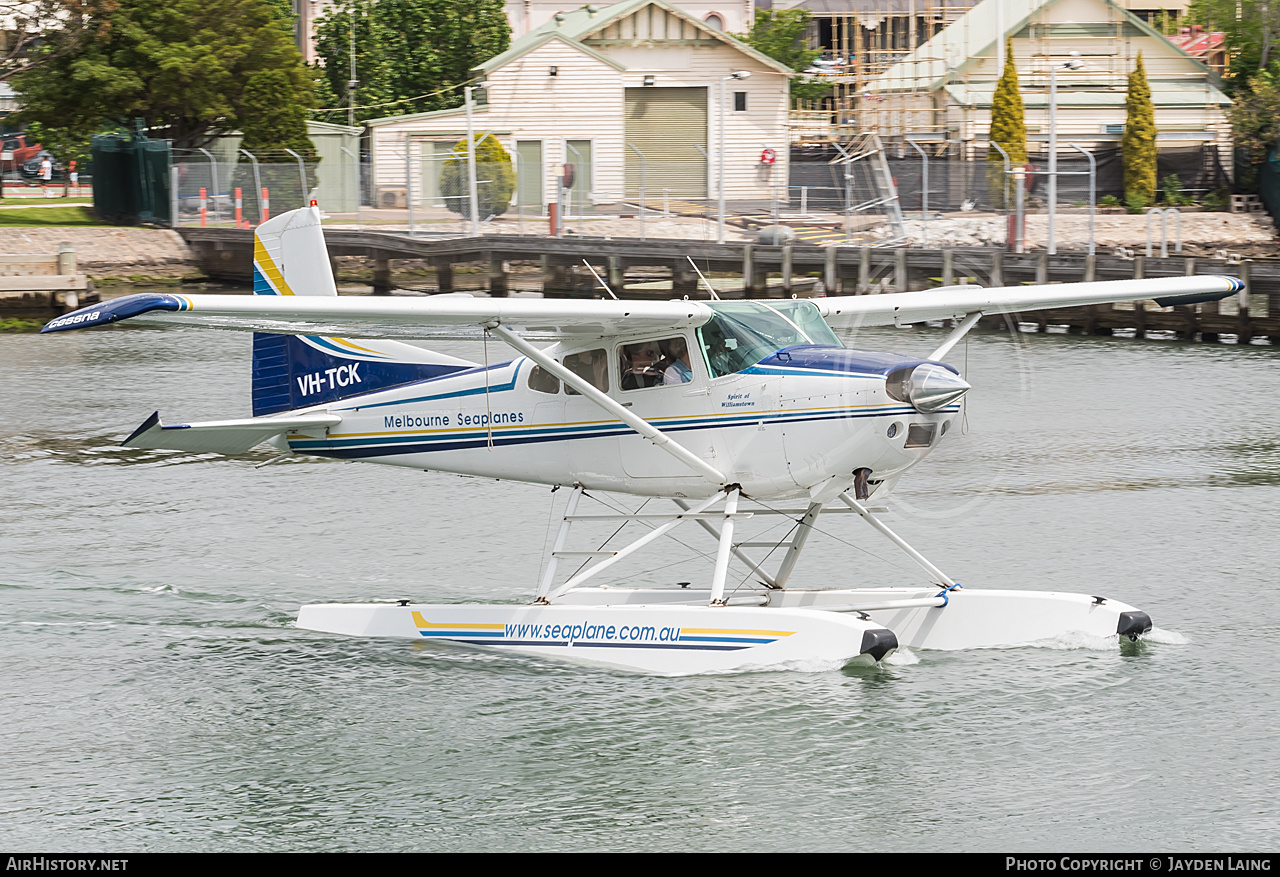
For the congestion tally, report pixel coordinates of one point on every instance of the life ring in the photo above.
(768, 156)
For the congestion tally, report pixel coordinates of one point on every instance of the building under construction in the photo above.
(927, 68)
(921, 75)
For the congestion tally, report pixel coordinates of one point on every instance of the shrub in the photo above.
(493, 166)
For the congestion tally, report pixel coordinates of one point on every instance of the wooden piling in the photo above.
(499, 279)
(381, 276)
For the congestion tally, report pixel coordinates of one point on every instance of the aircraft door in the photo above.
(660, 381)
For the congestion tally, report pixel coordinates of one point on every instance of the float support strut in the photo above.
(726, 543)
(550, 575)
(896, 540)
(636, 545)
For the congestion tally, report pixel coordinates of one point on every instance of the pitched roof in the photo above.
(580, 24)
(973, 36)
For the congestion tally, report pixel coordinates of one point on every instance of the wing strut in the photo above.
(639, 424)
(957, 333)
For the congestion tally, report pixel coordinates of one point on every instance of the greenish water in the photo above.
(157, 697)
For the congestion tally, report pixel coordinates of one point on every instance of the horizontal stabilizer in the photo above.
(222, 436)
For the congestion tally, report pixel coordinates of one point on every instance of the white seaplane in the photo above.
(728, 409)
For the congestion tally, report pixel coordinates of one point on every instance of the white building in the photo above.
(598, 88)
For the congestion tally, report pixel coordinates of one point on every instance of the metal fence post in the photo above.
(173, 194)
(519, 192)
(1093, 188)
(924, 193)
(355, 160)
(643, 170)
(302, 176)
(257, 186)
(1005, 180)
(471, 168)
(213, 169)
(408, 180)
(706, 205)
(1020, 182)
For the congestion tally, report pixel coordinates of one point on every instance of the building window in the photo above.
(739, 101)
(714, 21)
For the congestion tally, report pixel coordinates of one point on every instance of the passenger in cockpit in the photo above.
(679, 371)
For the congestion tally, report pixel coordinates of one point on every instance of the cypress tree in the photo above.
(1008, 127)
(1138, 146)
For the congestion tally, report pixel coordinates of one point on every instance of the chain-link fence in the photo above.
(857, 192)
(243, 192)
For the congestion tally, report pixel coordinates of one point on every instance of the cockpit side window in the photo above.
(660, 363)
(592, 365)
(543, 381)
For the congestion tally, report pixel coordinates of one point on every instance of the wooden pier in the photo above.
(1254, 313)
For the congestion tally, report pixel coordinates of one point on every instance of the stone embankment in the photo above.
(108, 252)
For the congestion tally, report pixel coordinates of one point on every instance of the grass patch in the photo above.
(30, 217)
(16, 324)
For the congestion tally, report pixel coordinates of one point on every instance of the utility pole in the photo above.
(351, 80)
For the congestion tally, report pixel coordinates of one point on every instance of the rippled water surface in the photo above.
(155, 695)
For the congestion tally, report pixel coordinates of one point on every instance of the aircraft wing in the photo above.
(955, 302)
(462, 316)
(427, 318)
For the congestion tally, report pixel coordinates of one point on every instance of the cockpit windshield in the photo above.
(744, 332)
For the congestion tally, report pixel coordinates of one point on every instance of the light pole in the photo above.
(724, 94)
(1074, 64)
(471, 167)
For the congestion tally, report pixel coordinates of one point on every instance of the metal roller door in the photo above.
(667, 124)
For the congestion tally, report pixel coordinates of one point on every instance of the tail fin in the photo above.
(295, 371)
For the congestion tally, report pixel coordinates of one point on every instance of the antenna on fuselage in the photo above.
(599, 279)
(705, 282)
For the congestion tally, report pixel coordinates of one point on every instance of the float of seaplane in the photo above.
(724, 409)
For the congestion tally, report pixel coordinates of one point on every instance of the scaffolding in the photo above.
(860, 40)
(884, 82)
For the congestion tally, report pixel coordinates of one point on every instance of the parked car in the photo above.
(21, 149)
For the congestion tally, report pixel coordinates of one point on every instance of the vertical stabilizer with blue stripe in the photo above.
(297, 371)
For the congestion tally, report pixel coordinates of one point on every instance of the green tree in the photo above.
(34, 32)
(780, 34)
(496, 178)
(1138, 145)
(191, 69)
(1008, 127)
(1255, 116)
(1252, 33)
(412, 56)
